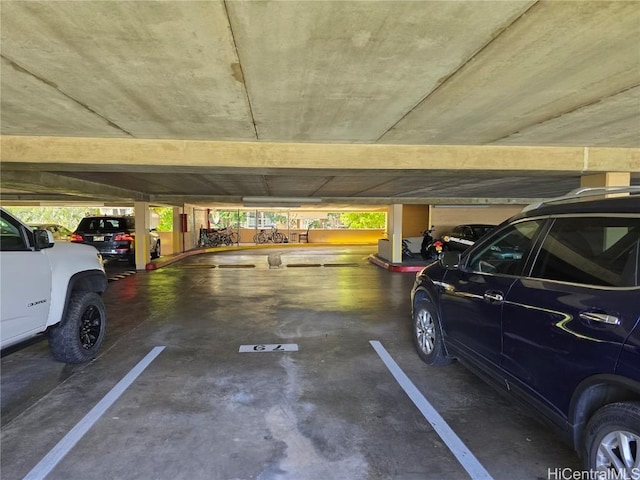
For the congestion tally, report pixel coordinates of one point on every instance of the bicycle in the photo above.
(273, 236)
(215, 238)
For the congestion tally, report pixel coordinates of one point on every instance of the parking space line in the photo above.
(468, 461)
(121, 275)
(57, 453)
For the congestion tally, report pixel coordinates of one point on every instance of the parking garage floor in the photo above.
(198, 408)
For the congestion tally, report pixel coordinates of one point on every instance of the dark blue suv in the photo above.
(547, 309)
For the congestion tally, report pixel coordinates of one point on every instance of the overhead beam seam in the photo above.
(324, 184)
(244, 82)
(448, 78)
(51, 84)
(567, 112)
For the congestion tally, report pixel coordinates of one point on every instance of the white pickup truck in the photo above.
(52, 289)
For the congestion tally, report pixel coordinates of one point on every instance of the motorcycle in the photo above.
(406, 252)
(431, 248)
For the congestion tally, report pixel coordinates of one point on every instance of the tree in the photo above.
(230, 218)
(166, 218)
(364, 220)
(68, 217)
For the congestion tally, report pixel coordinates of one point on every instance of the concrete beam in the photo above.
(193, 153)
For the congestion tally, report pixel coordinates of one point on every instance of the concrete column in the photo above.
(607, 179)
(143, 255)
(430, 217)
(395, 232)
(177, 234)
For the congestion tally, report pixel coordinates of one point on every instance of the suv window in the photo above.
(506, 254)
(592, 251)
(105, 224)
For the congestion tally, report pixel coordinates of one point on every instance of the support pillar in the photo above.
(395, 232)
(177, 235)
(143, 224)
(607, 179)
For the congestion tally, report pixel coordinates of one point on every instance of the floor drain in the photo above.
(296, 265)
(237, 266)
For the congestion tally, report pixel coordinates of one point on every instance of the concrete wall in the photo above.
(445, 218)
(323, 236)
(166, 243)
(315, 236)
(415, 219)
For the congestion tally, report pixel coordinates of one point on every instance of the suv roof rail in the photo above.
(583, 192)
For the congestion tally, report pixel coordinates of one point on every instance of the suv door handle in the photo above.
(493, 297)
(600, 317)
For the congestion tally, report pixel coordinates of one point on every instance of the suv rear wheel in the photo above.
(80, 334)
(612, 440)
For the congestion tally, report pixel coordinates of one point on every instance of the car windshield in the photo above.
(481, 230)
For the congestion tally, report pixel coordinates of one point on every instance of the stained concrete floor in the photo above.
(201, 410)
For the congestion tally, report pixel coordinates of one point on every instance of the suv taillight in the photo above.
(75, 237)
(122, 237)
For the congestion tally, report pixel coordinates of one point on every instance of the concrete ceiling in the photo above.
(213, 101)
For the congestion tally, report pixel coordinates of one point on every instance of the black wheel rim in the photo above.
(90, 326)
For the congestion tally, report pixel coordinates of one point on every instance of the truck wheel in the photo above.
(80, 334)
(612, 439)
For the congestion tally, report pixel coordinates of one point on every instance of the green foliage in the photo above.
(228, 218)
(364, 220)
(279, 219)
(166, 218)
(68, 217)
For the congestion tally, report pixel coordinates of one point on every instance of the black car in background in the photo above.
(546, 308)
(463, 236)
(113, 236)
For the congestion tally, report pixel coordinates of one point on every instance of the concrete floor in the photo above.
(201, 410)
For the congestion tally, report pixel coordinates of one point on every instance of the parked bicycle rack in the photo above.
(214, 237)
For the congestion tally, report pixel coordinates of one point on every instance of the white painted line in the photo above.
(57, 453)
(273, 347)
(448, 436)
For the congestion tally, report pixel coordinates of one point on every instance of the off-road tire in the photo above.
(79, 335)
(427, 335)
(607, 428)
